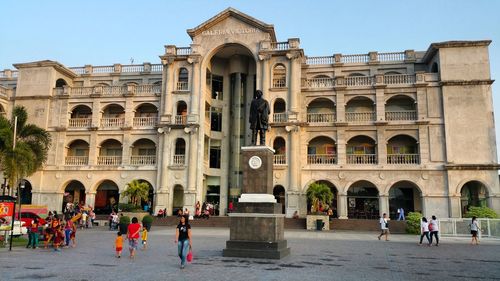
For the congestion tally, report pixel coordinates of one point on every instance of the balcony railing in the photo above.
(391, 56)
(280, 46)
(318, 83)
(147, 160)
(359, 117)
(147, 89)
(109, 160)
(357, 58)
(81, 91)
(279, 83)
(321, 159)
(179, 160)
(403, 115)
(145, 121)
(80, 122)
(112, 122)
(182, 86)
(352, 81)
(180, 119)
(280, 159)
(280, 117)
(403, 159)
(319, 60)
(321, 117)
(399, 79)
(362, 159)
(76, 160)
(183, 51)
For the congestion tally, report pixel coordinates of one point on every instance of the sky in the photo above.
(98, 32)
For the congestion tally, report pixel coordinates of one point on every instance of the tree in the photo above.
(31, 147)
(137, 191)
(319, 193)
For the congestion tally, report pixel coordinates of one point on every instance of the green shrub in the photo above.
(128, 207)
(147, 219)
(481, 212)
(413, 222)
(124, 220)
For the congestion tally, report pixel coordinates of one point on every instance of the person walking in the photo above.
(434, 229)
(144, 237)
(183, 240)
(68, 229)
(118, 244)
(34, 233)
(401, 213)
(384, 227)
(133, 236)
(424, 230)
(474, 230)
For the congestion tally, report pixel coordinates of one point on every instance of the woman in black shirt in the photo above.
(183, 239)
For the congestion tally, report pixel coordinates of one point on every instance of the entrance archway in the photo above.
(74, 193)
(473, 194)
(331, 205)
(148, 202)
(406, 195)
(178, 201)
(362, 200)
(107, 197)
(26, 193)
(279, 194)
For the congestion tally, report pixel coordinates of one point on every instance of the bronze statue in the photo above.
(259, 118)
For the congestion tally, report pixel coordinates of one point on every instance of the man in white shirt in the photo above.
(384, 227)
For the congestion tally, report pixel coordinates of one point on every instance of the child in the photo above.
(144, 237)
(68, 229)
(58, 238)
(119, 244)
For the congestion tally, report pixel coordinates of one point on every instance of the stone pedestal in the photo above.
(257, 225)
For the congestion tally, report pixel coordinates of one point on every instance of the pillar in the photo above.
(384, 204)
(342, 205)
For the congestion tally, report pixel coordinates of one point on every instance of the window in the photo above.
(216, 119)
(182, 82)
(279, 76)
(215, 155)
(217, 87)
(147, 151)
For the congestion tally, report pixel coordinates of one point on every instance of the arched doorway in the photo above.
(178, 201)
(279, 194)
(74, 193)
(406, 195)
(25, 192)
(148, 202)
(473, 194)
(331, 205)
(362, 200)
(107, 197)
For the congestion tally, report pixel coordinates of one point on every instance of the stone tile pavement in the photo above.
(315, 256)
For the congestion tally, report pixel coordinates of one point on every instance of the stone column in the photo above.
(341, 146)
(455, 206)
(340, 106)
(293, 84)
(421, 103)
(126, 149)
(381, 146)
(195, 88)
(293, 162)
(190, 193)
(94, 148)
(96, 113)
(384, 204)
(90, 198)
(166, 89)
(380, 104)
(264, 62)
(423, 144)
(342, 205)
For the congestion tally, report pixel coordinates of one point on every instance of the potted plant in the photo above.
(318, 194)
(147, 220)
(124, 222)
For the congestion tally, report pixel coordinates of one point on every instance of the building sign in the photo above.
(6, 209)
(230, 31)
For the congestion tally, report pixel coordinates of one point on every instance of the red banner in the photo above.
(6, 209)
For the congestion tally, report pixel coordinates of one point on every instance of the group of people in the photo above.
(86, 215)
(428, 229)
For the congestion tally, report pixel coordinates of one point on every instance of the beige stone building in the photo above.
(410, 129)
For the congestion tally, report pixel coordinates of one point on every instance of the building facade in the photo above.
(411, 129)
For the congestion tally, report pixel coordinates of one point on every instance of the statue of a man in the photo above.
(259, 118)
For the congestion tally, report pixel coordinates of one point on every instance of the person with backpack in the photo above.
(474, 229)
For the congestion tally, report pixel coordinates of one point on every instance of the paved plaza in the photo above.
(315, 256)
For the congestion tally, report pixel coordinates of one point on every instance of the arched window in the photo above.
(183, 80)
(279, 111)
(279, 146)
(181, 115)
(279, 76)
(60, 83)
(180, 152)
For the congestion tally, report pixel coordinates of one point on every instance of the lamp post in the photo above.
(20, 186)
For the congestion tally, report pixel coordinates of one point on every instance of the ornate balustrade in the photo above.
(146, 160)
(319, 60)
(280, 46)
(318, 83)
(357, 58)
(183, 51)
(357, 117)
(117, 122)
(113, 90)
(109, 160)
(279, 83)
(399, 79)
(403, 159)
(362, 159)
(103, 69)
(146, 89)
(182, 86)
(391, 56)
(280, 117)
(321, 159)
(179, 160)
(76, 160)
(359, 81)
(140, 122)
(133, 68)
(180, 119)
(321, 117)
(80, 122)
(279, 159)
(403, 115)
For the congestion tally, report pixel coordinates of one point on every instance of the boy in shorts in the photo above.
(119, 244)
(144, 237)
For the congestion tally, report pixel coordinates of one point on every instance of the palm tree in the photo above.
(319, 193)
(137, 191)
(31, 147)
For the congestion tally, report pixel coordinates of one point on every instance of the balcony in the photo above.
(321, 159)
(362, 159)
(279, 159)
(180, 119)
(147, 89)
(109, 160)
(321, 117)
(179, 160)
(360, 117)
(403, 159)
(80, 122)
(145, 122)
(354, 81)
(182, 86)
(318, 83)
(405, 115)
(76, 160)
(398, 79)
(280, 117)
(117, 122)
(279, 83)
(143, 160)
